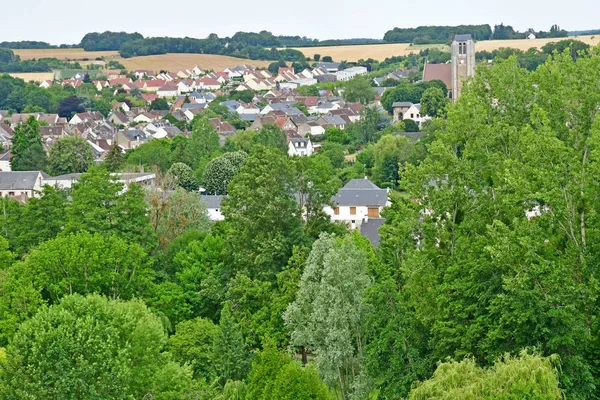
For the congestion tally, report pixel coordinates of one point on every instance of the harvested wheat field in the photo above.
(177, 62)
(382, 51)
(64, 54)
(34, 76)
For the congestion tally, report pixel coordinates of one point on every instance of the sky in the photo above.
(67, 21)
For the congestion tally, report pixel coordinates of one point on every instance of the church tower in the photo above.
(463, 63)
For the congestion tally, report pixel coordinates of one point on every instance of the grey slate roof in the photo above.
(19, 180)
(300, 143)
(361, 193)
(370, 230)
(212, 201)
(406, 104)
(463, 38)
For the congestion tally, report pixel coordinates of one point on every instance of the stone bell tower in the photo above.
(463, 62)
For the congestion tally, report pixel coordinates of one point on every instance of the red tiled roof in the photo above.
(442, 72)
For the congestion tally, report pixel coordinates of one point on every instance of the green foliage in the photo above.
(525, 377)
(27, 151)
(203, 142)
(193, 345)
(271, 136)
(99, 206)
(433, 102)
(160, 104)
(89, 347)
(368, 128)
(359, 90)
(155, 153)
(412, 93)
(261, 211)
(114, 159)
(183, 176)
(436, 34)
(182, 211)
(390, 152)
(275, 375)
(107, 41)
(217, 175)
(70, 154)
(231, 357)
(336, 135)
(328, 315)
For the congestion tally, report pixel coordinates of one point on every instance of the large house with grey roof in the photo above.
(21, 185)
(358, 201)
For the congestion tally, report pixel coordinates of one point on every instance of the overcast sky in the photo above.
(67, 21)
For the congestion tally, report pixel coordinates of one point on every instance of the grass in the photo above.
(382, 51)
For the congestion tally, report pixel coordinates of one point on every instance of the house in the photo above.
(169, 90)
(222, 128)
(208, 84)
(407, 110)
(121, 106)
(119, 82)
(531, 36)
(126, 178)
(332, 120)
(149, 97)
(300, 148)
(213, 206)
(370, 229)
(5, 162)
(21, 185)
(118, 118)
(358, 201)
(350, 73)
(310, 128)
(6, 135)
(89, 116)
(46, 84)
(330, 67)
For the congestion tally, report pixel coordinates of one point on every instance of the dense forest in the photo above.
(484, 284)
(445, 34)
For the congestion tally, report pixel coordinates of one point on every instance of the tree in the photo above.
(70, 154)
(316, 185)
(114, 159)
(274, 66)
(160, 104)
(93, 348)
(261, 212)
(70, 106)
(203, 142)
(328, 314)
(359, 90)
(433, 103)
(217, 175)
(367, 129)
(271, 136)
(231, 357)
(327, 59)
(390, 152)
(525, 377)
(336, 135)
(182, 211)
(192, 344)
(27, 151)
(41, 219)
(100, 205)
(84, 263)
(506, 241)
(317, 57)
(275, 375)
(184, 176)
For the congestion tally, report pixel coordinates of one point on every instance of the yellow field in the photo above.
(64, 54)
(177, 62)
(34, 76)
(382, 51)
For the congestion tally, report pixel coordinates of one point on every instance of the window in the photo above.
(336, 211)
(352, 210)
(462, 48)
(11, 194)
(412, 115)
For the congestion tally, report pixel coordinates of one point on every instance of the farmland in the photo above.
(382, 51)
(64, 54)
(177, 62)
(34, 76)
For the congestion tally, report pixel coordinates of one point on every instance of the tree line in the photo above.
(445, 34)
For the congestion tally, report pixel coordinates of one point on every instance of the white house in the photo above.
(213, 206)
(350, 73)
(21, 185)
(531, 36)
(358, 201)
(5, 162)
(300, 148)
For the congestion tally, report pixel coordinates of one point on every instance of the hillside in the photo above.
(382, 51)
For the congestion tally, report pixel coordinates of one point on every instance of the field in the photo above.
(382, 51)
(64, 54)
(34, 76)
(177, 62)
